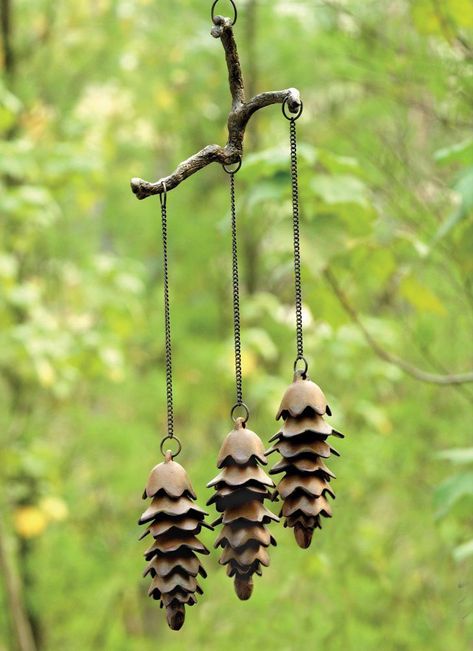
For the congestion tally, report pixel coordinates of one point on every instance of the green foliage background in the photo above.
(105, 90)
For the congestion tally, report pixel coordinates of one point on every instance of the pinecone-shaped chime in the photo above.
(174, 521)
(303, 445)
(241, 488)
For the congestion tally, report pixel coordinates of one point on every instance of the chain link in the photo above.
(167, 325)
(236, 294)
(297, 240)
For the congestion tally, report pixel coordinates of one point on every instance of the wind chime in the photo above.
(173, 519)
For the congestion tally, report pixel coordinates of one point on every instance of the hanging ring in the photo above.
(246, 411)
(163, 197)
(171, 438)
(234, 171)
(235, 11)
(295, 116)
(303, 372)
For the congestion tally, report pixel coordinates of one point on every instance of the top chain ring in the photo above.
(235, 11)
(293, 116)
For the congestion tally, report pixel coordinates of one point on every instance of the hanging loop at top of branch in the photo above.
(235, 11)
(236, 169)
(293, 117)
(163, 197)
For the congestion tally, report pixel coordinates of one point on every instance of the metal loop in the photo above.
(237, 169)
(235, 11)
(163, 197)
(171, 438)
(240, 405)
(295, 116)
(304, 371)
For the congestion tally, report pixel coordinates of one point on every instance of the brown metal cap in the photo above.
(240, 446)
(171, 478)
(252, 511)
(302, 465)
(245, 556)
(298, 426)
(311, 506)
(236, 536)
(302, 394)
(312, 485)
(169, 544)
(289, 449)
(171, 507)
(165, 565)
(239, 475)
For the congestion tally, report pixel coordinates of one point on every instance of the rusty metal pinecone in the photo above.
(174, 521)
(303, 445)
(241, 488)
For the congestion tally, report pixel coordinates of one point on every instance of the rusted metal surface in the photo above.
(241, 488)
(303, 443)
(174, 521)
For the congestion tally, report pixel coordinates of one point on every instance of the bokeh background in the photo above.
(95, 92)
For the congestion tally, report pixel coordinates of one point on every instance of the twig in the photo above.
(407, 367)
(14, 597)
(238, 118)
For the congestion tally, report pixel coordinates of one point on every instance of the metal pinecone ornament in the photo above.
(303, 443)
(174, 521)
(303, 440)
(241, 488)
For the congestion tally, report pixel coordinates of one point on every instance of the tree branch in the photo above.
(407, 367)
(238, 118)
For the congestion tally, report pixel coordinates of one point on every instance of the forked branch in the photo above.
(238, 119)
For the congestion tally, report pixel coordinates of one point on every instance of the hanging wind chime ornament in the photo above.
(173, 518)
(242, 486)
(303, 440)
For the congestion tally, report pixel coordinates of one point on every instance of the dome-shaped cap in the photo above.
(302, 394)
(240, 446)
(171, 478)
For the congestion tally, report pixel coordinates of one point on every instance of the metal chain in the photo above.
(167, 329)
(297, 243)
(236, 298)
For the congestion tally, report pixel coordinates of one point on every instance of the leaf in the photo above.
(457, 455)
(463, 551)
(452, 491)
(442, 18)
(464, 188)
(421, 297)
(461, 152)
(340, 188)
(271, 161)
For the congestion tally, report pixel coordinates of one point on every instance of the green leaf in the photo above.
(340, 189)
(422, 298)
(461, 152)
(452, 491)
(463, 551)
(457, 455)
(464, 188)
